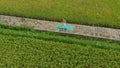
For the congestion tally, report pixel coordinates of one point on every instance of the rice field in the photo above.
(22, 47)
(27, 48)
(89, 12)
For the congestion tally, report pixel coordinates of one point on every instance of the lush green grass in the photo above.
(21, 47)
(92, 12)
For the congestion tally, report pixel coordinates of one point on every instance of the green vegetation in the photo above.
(92, 12)
(21, 47)
(28, 48)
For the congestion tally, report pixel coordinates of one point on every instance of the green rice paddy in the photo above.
(91, 12)
(22, 47)
(27, 48)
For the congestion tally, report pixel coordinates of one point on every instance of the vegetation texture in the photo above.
(21, 47)
(92, 12)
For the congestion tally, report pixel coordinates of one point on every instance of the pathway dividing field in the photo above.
(91, 31)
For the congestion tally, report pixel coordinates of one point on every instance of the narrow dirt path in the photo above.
(99, 32)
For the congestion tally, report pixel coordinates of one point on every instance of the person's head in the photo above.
(63, 20)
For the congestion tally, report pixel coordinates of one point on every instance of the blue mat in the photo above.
(64, 26)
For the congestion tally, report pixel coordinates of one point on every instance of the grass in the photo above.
(93, 12)
(21, 47)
